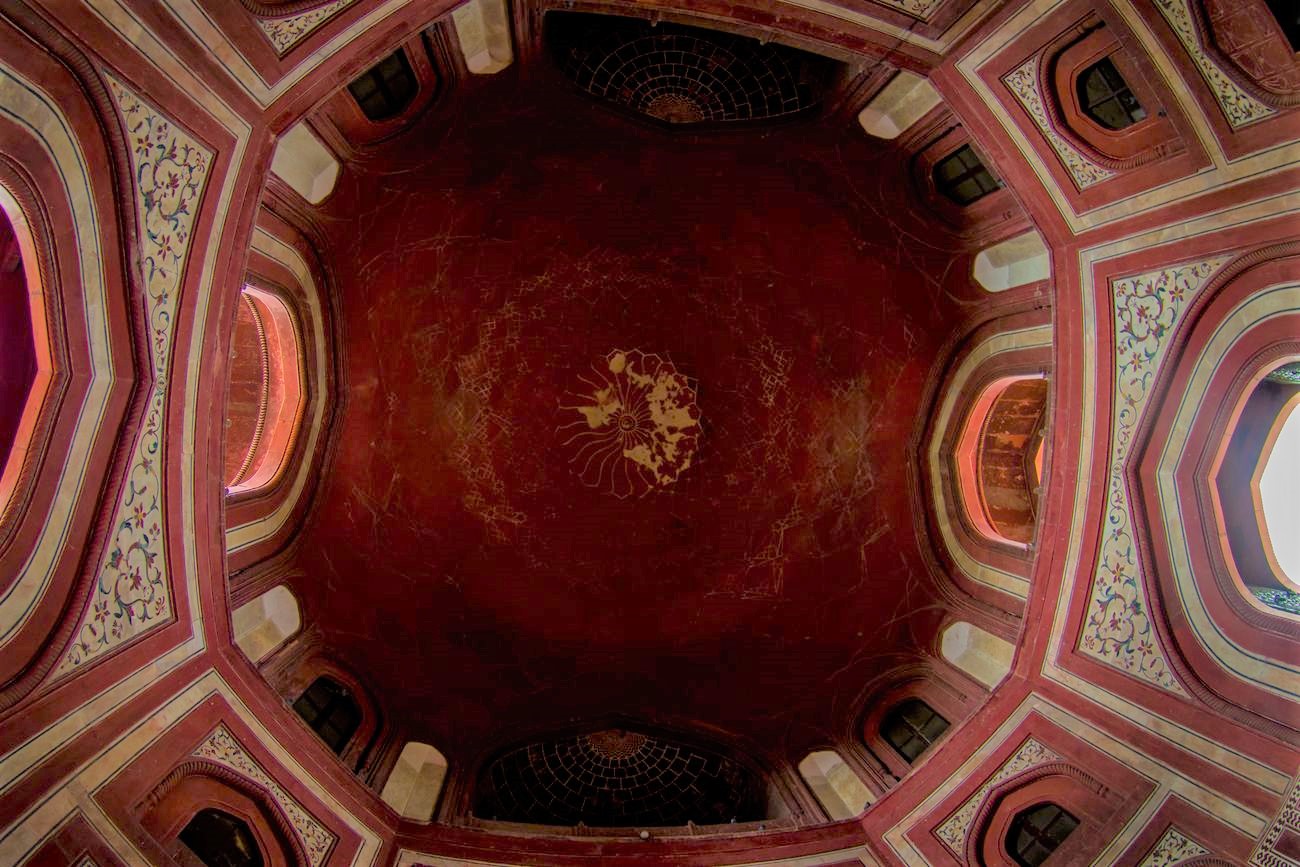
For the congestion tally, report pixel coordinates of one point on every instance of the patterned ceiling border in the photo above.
(1286, 820)
(1146, 309)
(222, 748)
(1026, 85)
(133, 594)
(954, 830)
(1173, 848)
(288, 31)
(1239, 107)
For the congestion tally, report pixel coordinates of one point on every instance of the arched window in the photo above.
(26, 368)
(963, 177)
(1037, 832)
(221, 840)
(978, 653)
(911, 727)
(266, 622)
(415, 782)
(999, 458)
(266, 395)
(1256, 485)
(331, 711)
(385, 89)
(837, 787)
(1106, 97)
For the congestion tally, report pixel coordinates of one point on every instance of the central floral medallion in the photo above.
(639, 425)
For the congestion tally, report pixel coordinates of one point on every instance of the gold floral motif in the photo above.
(639, 427)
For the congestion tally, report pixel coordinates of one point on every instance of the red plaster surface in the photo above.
(457, 561)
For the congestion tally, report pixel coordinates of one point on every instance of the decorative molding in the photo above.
(1239, 107)
(287, 32)
(1173, 848)
(222, 749)
(922, 9)
(956, 828)
(1025, 83)
(1287, 819)
(132, 594)
(1118, 629)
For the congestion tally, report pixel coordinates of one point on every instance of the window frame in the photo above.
(897, 716)
(1020, 824)
(324, 715)
(240, 829)
(1106, 69)
(381, 85)
(948, 187)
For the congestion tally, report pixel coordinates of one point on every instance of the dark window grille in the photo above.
(911, 727)
(1037, 832)
(1287, 13)
(221, 840)
(331, 712)
(962, 177)
(385, 89)
(1106, 97)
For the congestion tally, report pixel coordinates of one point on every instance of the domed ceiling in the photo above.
(628, 421)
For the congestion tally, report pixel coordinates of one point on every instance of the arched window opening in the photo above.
(1287, 14)
(1014, 262)
(912, 727)
(836, 786)
(1106, 97)
(981, 654)
(221, 840)
(1037, 832)
(266, 396)
(962, 177)
(415, 782)
(331, 711)
(905, 100)
(265, 623)
(385, 89)
(25, 362)
(483, 30)
(999, 458)
(1256, 484)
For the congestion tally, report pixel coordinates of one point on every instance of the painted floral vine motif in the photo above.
(1024, 84)
(955, 829)
(1172, 848)
(1118, 630)
(1239, 107)
(222, 748)
(287, 32)
(131, 595)
(639, 427)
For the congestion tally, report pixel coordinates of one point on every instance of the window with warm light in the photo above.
(266, 397)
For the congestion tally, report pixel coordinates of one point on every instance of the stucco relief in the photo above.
(922, 9)
(132, 593)
(1118, 630)
(222, 748)
(1172, 848)
(956, 828)
(1025, 84)
(287, 32)
(639, 427)
(1239, 107)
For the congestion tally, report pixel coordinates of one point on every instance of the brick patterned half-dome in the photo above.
(682, 75)
(617, 778)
